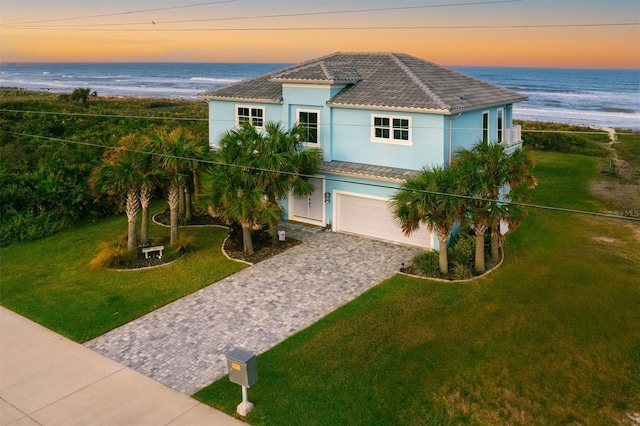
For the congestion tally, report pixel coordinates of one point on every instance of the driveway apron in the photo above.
(183, 345)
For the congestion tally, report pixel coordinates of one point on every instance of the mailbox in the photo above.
(242, 367)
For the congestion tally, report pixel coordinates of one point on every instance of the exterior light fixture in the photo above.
(327, 197)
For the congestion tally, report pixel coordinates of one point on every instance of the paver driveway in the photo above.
(183, 345)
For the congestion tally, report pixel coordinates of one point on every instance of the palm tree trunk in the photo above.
(246, 239)
(478, 263)
(442, 255)
(196, 187)
(173, 200)
(145, 200)
(495, 242)
(181, 205)
(187, 206)
(273, 228)
(131, 208)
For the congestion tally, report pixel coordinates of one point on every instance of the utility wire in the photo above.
(145, 117)
(400, 28)
(123, 13)
(280, 15)
(257, 169)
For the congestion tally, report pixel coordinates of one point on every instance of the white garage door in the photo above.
(372, 217)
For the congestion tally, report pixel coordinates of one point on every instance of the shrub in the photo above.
(427, 263)
(463, 250)
(113, 254)
(461, 271)
(180, 247)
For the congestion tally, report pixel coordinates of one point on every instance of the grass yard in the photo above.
(552, 337)
(50, 281)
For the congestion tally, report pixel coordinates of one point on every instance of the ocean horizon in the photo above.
(592, 97)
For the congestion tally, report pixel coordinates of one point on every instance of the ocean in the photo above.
(595, 97)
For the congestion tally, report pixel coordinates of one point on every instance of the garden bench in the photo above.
(148, 250)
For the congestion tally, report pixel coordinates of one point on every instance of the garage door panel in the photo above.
(372, 217)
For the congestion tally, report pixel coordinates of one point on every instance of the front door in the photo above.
(309, 208)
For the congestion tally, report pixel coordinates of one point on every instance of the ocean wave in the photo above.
(605, 118)
(215, 80)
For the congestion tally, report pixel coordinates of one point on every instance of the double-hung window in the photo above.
(390, 129)
(253, 115)
(309, 121)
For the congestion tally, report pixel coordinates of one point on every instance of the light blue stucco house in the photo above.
(378, 117)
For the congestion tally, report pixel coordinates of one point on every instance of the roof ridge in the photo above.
(325, 70)
(418, 82)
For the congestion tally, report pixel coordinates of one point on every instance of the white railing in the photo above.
(512, 136)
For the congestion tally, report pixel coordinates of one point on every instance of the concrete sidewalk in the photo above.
(46, 379)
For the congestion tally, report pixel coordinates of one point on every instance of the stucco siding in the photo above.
(351, 140)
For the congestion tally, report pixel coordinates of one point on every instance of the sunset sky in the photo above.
(540, 33)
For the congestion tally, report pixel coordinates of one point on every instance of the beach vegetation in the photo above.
(45, 164)
(81, 94)
(566, 138)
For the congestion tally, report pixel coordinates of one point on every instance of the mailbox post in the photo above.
(243, 371)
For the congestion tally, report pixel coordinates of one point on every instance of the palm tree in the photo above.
(150, 177)
(235, 188)
(422, 200)
(488, 173)
(119, 173)
(284, 165)
(178, 150)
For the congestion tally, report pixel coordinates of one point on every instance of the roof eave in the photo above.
(363, 176)
(241, 99)
(391, 108)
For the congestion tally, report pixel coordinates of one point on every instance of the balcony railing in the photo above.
(512, 136)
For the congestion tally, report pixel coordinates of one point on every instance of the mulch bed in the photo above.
(263, 249)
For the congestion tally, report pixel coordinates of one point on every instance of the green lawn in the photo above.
(50, 281)
(552, 337)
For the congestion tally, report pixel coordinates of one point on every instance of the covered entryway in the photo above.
(371, 216)
(309, 209)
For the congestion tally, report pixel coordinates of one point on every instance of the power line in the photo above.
(146, 117)
(257, 169)
(124, 13)
(596, 131)
(280, 15)
(394, 28)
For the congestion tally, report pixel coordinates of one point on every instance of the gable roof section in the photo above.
(377, 81)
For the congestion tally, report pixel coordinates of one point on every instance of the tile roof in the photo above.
(368, 171)
(377, 81)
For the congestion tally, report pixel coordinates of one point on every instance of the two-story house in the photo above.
(379, 118)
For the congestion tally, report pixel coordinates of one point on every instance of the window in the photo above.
(308, 121)
(485, 127)
(500, 124)
(251, 115)
(391, 129)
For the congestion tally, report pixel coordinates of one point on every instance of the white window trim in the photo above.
(488, 114)
(264, 118)
(317, 111)
(391, 140)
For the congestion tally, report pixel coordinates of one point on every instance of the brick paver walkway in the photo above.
(183, 345)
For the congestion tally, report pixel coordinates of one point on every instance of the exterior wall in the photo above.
(313, 98)
(332, 183)
(222, 116)
(467, 127)
(351, 140)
